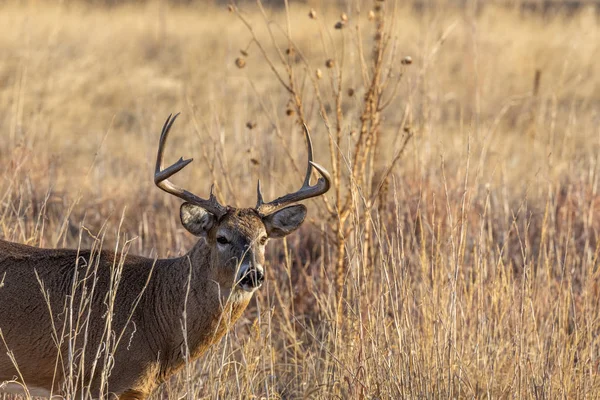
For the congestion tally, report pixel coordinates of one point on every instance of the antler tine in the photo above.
(305, 192)
(161, 176)
(310, 156)
(259, 201)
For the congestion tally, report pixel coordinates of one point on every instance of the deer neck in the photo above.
(206, 310)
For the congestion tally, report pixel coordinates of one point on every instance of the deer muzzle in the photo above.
(251, 277)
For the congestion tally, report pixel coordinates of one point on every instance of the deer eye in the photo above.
(263, 240)
(222, 240)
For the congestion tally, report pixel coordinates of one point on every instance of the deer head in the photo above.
(236, 237)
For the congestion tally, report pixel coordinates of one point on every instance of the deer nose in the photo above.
(252, 278)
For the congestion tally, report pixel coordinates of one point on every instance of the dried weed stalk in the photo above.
(353, 137)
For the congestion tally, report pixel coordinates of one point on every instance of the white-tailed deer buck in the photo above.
(69, 316)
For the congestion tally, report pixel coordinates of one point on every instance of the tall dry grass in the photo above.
(480, 276)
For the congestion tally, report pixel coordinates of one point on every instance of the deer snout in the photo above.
(251, 277)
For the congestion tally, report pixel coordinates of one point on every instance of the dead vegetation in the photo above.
(457, 253)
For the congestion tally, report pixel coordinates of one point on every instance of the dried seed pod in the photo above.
(250, 125)
(407, 60)
(289, 51)
(377, 7)
(318, 73)
(240, 62)
(350, 92)
(339, 25)
(329, 63)
(344, 17)
(371, 15)
(254, 161)
(289, 111)
(244, 53)
(312, 14)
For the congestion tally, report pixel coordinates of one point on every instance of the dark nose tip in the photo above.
(253, 278)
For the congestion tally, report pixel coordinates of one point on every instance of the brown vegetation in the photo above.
(468, 269)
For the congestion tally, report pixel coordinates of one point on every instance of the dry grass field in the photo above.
(456, 255)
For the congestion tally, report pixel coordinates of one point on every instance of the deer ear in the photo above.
(196, 219)
(285, 221)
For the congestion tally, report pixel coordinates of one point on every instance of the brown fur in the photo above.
(151, 349)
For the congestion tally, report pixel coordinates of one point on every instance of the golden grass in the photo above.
(485, 282)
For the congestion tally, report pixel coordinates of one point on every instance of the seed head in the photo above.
(371, 15)
(312, 14)
(318, 73)
(344, 17)
(329, 63)
(240, 62)
(407, 60)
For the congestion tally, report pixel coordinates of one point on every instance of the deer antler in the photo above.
(305, 192)
(161, 176)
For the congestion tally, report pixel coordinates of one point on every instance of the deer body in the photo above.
(153, 342)
(59, 308)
